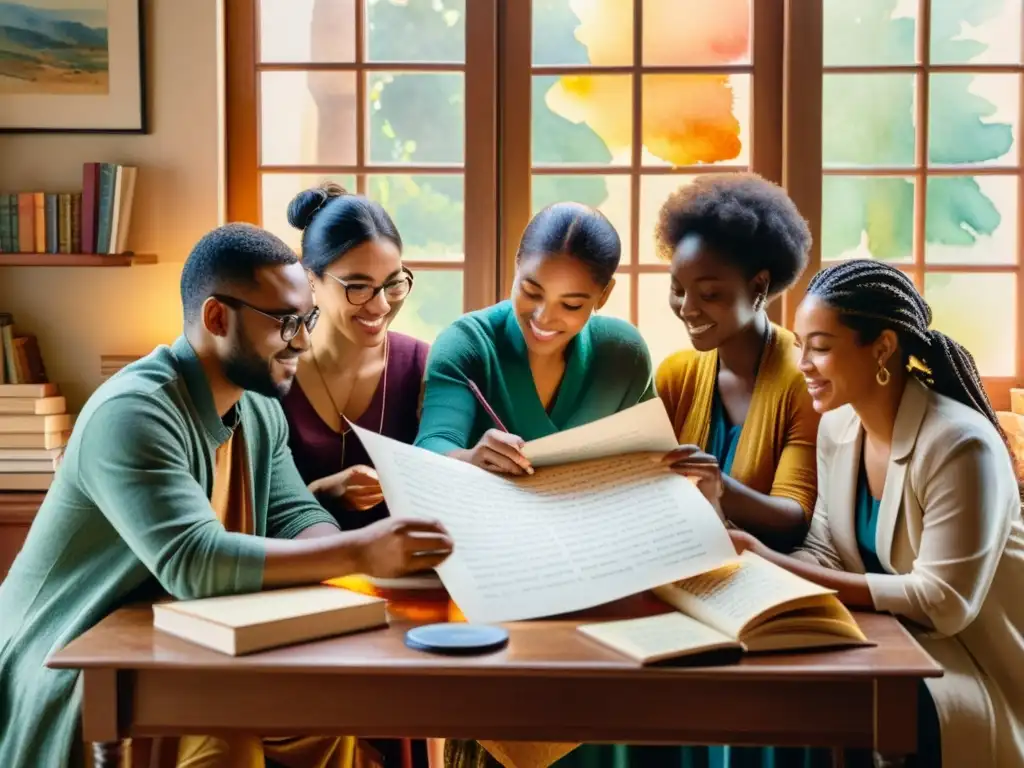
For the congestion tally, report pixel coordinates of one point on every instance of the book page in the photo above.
(731, 598)
(561, 540)
(655, 638)
(644, 427)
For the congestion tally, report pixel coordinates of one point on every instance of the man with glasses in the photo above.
(178, 479)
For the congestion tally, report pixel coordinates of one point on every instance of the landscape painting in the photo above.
(54, 47)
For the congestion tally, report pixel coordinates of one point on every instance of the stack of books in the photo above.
(95, 220)
(111, 364)
(34, 428)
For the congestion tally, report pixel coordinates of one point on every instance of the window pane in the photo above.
(582, 120)
(609, 194)
(427, 209)
(618, 302)
(434, 304)
(869, 32)
(569, 32)
(714, 32)
(654, 191)
(416, 30)
(868, 120)
(971, 220)
(975, 31)
(696, 119)
(973, 119)
(867, 218)
(308, 118)
(978, 310)
(278, 189)
(307, 30)
(663, 331)
(416, 117)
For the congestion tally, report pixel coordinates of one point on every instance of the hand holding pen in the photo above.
(497, 450)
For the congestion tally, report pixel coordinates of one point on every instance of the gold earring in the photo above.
(883, 375)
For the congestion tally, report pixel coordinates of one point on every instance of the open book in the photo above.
(750, 605)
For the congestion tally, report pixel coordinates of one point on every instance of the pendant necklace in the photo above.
(383, 401)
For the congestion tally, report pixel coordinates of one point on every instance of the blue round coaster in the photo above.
(456, 638)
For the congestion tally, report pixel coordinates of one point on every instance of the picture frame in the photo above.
(78, 70)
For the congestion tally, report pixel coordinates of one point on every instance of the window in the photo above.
(920, 162)
(893, 123)
(370, 95)
(625, 105)
(610, 103)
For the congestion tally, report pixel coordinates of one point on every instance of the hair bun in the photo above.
(305, 205)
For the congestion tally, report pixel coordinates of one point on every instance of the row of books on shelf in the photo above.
(95, 220)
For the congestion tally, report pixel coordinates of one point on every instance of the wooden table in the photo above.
(551, 683)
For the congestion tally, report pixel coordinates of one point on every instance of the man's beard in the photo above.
(246, 369)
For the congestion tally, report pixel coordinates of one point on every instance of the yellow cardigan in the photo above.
(776, 450)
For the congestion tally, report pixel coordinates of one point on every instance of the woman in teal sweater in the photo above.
(544, 363)
(542, 360)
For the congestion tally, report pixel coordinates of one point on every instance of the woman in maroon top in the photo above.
(355, 369)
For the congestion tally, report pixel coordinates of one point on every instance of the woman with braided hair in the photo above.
(918, 511)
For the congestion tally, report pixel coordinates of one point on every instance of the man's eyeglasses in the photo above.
(290, 324)
(362, 293)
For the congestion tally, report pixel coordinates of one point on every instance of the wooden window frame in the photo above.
(804, 172)
(478, 169)
(517, 70)
(786, 65)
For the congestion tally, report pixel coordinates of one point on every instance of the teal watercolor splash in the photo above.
(869, 121)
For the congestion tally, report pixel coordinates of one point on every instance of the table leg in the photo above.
(895, 722)
(106, 754)
(883, 761)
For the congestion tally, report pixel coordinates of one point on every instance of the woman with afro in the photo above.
(737, 399)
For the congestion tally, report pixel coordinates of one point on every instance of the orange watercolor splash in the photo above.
(687, 119)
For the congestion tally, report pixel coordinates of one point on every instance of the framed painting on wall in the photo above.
(72, 66)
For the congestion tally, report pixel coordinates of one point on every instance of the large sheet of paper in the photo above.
(644, 427)
(561, 540)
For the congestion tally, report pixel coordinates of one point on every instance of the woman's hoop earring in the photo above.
(760, 301)
(883, 376)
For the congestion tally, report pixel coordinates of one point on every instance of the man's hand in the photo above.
(357, 488)
(397, 546)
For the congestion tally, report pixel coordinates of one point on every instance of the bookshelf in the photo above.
(75, 259)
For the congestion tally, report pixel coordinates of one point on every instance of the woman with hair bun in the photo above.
(544, 362)
(356, 369)
(918, 511)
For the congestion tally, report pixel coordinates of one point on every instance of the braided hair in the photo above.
(871, 296)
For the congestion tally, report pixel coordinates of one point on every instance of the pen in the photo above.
(485, 405)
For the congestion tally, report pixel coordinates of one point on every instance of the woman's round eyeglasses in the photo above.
(358, 293)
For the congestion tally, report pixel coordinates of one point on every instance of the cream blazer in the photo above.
(951, 542)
